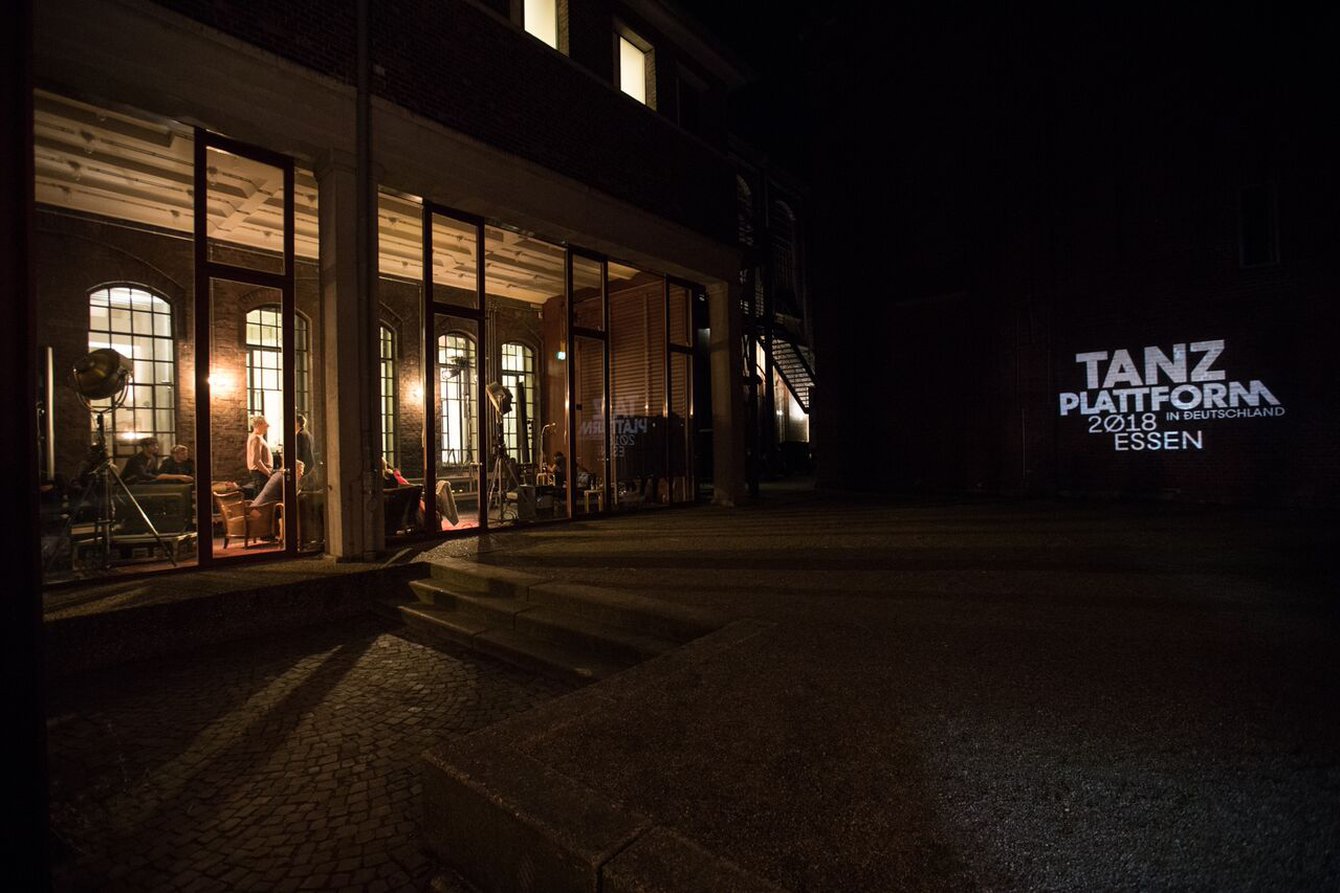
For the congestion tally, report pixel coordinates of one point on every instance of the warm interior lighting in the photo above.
(541, 19)
(632, 71)
(220, 384)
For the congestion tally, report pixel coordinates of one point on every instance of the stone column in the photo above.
(728, 428)
(353, 528)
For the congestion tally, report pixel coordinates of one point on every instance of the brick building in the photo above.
(377, 216)
(1106, 253)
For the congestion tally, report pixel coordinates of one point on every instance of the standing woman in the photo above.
(260, 461)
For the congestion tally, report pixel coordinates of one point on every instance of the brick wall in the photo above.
(74, 256)
(454, 62)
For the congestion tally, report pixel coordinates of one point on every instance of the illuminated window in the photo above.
(456, 390)
(138, 325)
(540, 18)
(518, 376)
(635, 68)
(388, 393)
(265, 367)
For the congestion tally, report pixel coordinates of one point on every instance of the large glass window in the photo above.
(456, 389)
(265, 332)
(518, 376)
(138, 325)
(386, 340)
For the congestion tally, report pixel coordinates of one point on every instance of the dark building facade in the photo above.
(380, 218)
(1106, 254)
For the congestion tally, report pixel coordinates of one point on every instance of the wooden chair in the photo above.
(241, 519)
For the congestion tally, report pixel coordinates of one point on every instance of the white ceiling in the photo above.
(112, 164)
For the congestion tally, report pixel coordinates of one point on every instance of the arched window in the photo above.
(138, 325)
(265, 368)
(518, 376)
(456, 391)
(386, 338)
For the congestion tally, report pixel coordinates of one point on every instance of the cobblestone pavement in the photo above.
(284, 764)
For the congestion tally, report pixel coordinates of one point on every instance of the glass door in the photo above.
(460, 411)
(584, 476)
(246, 337)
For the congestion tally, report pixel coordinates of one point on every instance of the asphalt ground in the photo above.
(283, 763)
(973, 694)
(941, 695)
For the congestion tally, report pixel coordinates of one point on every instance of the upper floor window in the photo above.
(138, 325)
(636, 71)
(540, 18)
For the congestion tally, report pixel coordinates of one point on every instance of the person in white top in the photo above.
(260, 461)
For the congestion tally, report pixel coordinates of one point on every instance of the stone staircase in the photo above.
(573, 632)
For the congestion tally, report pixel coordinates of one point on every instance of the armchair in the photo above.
(241, 519)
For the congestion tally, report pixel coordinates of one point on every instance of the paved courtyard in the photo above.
(284, 764)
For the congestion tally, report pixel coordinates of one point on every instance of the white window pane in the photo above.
(541, 19)
(632, 71)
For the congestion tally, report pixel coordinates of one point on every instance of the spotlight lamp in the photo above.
(500, 397)
(101, 375)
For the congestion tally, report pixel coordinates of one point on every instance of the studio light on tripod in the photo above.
(101, 375)
(500, 397)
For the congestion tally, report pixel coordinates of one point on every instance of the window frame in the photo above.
(123, 447)
(517, 9)
(509, 376)
(460, 399)
(388, 379)
(624, 34)
(302, 360)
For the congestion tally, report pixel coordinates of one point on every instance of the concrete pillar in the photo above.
(728, 425)
(353, 527)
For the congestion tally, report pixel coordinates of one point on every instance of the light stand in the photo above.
(101, 375)
(501, 475)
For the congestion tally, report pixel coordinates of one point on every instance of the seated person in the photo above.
(179, 463)
(273, 491)
(142, 468)
(559, 470)
(391, 476)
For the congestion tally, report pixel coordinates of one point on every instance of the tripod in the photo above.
(99, 490)
(501, 475)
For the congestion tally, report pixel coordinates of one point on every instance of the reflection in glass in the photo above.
(589, 444)
(637, 359)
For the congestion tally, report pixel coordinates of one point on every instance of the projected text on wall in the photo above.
(1157, 399)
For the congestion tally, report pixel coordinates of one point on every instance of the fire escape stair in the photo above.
(795, 364)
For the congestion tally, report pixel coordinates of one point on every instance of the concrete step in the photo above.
(633, 612)
(496, 610)
(604, 641)
(579, 633)
(571, 664)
